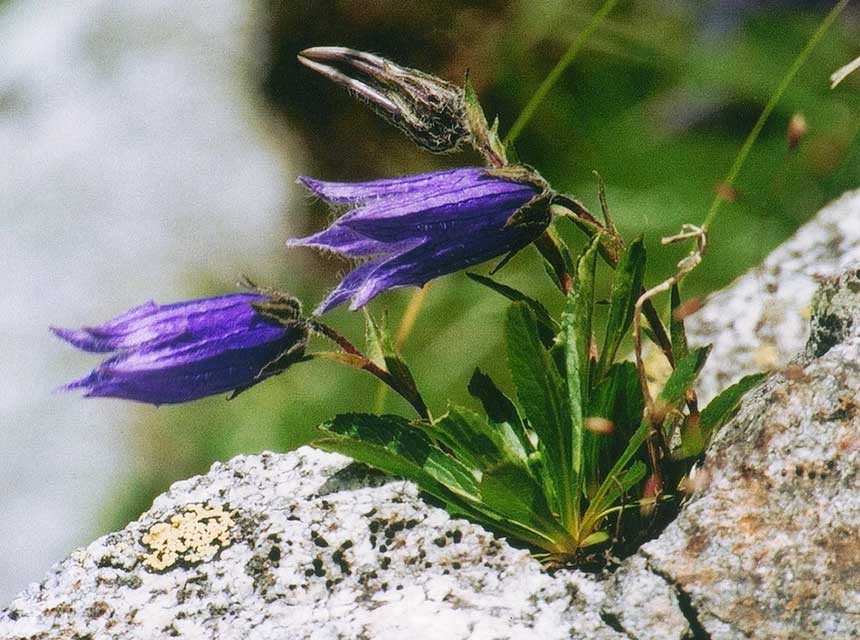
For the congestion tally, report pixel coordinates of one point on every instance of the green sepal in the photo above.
(484, 138)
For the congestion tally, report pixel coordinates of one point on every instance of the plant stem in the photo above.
(770, 106)
(554, 75)
(365, 363)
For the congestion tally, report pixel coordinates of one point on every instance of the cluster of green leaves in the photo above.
(535, 468)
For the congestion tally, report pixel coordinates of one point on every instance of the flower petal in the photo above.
(356, 192)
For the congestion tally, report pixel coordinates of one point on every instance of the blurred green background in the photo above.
(658, 103)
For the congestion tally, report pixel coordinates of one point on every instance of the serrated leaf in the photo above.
(546, 324)
(695, 438)
(541, 392)
(576, 321)
(626, 288)
(392, 444)
(511, 491)
(600, 501)
(677, 332)
(473, 440)
(575, 340)
(500, 410)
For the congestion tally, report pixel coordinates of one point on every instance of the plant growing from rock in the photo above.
(582, 456)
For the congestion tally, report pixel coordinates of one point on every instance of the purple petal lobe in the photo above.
(421, 227)
(185, 351)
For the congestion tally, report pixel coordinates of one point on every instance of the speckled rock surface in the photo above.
(771, 547)
(761, 320)
(283, 546)
(304, 545)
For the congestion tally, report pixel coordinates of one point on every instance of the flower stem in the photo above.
(554, 75)
(770, 106)
(361, 361)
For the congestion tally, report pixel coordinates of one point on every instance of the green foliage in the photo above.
(531, 468)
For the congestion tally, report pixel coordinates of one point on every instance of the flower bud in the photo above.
(429, 110)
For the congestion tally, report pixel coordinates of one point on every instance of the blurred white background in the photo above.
(136, 158)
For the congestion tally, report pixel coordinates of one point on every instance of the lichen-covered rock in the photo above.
(771, 546)
(761, 320)
(301, 545)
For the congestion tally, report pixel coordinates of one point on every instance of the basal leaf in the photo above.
(626, 287)
(392, 444)
(601, 500)
(546, 324)
(541, 392)
(500, 409)
(473, 440)
(512, 492)
(683, 377)
(618, 399)
(575, 336)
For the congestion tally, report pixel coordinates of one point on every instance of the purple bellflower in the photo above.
(419, 227)
(166, 354)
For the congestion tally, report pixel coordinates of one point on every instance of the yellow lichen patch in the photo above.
(192, 535)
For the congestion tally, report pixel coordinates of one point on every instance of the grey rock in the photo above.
(761, 320)
(306, 545)
(769, 547)
(301, 545)
(643, 604)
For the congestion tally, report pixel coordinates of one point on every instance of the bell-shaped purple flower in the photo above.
(166, 354)
(419, 227)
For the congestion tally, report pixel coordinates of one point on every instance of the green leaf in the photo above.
(677, 332)
(380, 343)
(392, 444)
(626, 481)
(500, 410)
(617, 398)
(473, 440)
(575, 336)
(546, 324)
(511, 491)
(577, 319)
(695, 438)
(541, 392)
(683, 378)
(626, 288)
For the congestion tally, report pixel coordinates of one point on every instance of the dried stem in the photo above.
(685, 266)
